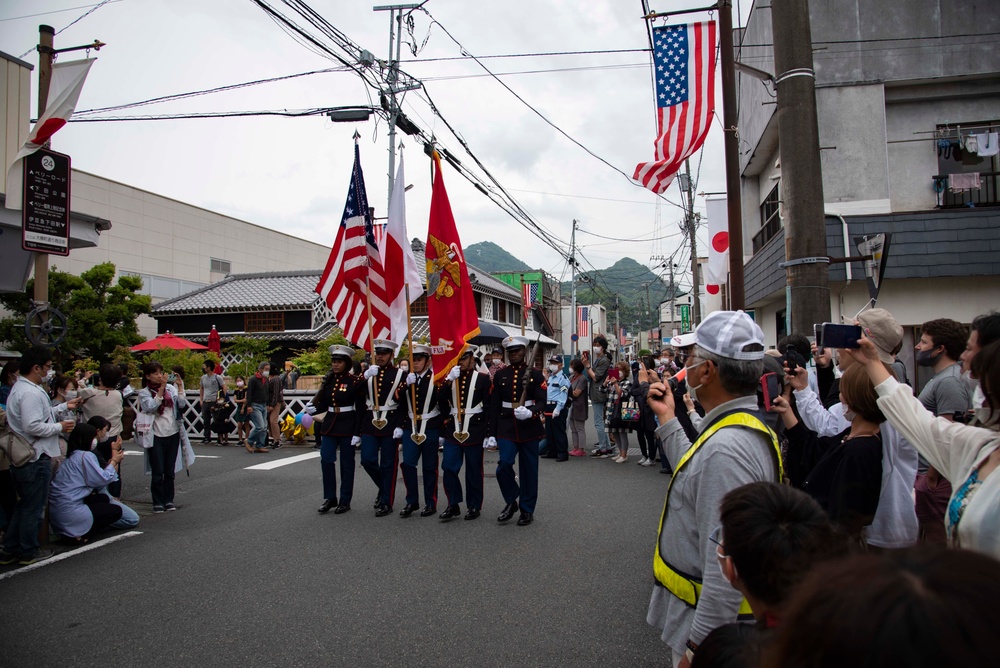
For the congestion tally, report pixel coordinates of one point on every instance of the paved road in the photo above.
(246, 573)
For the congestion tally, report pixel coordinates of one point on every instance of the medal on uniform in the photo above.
(463, 435)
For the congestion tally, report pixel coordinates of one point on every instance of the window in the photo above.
(515, 313)
(770, 221)
(500, 310)
(956, 155)
(221, 266)
(273, 321)
(419, 307)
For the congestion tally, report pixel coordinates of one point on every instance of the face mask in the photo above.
(71, 394)
(693, 389)
(927, 357)
(93, 444)
(404, 367)
(239, 383)
(50, 374)
(849, 415)
(554, 368)
(496, 362)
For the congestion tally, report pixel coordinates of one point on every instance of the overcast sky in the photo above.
(292, 174)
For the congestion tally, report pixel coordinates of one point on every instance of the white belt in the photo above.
(427, 416)
(341, 409)
(384, 408)
(471, 411)
(529, 402)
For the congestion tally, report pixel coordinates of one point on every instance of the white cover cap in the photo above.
(729, 333)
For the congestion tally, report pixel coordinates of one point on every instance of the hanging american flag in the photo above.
(684, 58)
(583, 326)
(353, 263)
(529, 297)
(621, 337)
(378, 231)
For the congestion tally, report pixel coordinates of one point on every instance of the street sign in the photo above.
(685, 311)
(574, 337)
(877, 246)
(45, 216)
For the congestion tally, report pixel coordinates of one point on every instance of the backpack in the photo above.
(15, 450)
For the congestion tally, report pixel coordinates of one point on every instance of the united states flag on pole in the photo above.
(684, 58)
(529, 297)
(583, 328)
(354, 260)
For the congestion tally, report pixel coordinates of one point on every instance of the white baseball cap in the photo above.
(729, 334)
(682, 340)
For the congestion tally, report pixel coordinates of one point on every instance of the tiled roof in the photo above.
(492, 284)
(314, 336)
(248, 292)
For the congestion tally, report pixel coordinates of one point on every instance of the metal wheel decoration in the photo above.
(45, 326)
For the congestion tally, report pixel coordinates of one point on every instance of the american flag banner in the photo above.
(621, 337)
(529, 297)
(583, 325)
(378, 231)
(684, 58)
(353, 263)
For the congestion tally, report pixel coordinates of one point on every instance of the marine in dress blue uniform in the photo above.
(420, 433)
(465, 400)
(342, 398)
(516, 404)
(380, 428)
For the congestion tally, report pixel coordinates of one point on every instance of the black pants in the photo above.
(557, 442)
(647, 443)
(103, 451)
(162, 459)
(105, 513)
(206, 419)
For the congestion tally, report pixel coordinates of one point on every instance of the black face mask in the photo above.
(927, 357)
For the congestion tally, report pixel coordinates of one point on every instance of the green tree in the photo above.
(191, 361)
(100, 311)
(316, 361)
(250, 352)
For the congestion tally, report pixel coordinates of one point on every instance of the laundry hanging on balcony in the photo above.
(960, 182)
(987, 144)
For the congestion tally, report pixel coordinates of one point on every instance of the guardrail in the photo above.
(295, 401)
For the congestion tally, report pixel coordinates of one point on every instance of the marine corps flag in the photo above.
(451, 308)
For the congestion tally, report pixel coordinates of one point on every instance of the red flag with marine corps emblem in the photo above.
(451, 307)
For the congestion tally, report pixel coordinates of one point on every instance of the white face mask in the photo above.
(693, 389)
(71, 394)
(93, 444)
(239, 383)
(50, 374)
(849, 415)
(554, 368)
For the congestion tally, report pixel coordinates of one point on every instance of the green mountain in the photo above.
(635, 287)
(488, 256)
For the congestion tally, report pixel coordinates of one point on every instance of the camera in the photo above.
(792, 358)
(171, 377)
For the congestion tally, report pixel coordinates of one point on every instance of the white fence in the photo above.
(295, 401)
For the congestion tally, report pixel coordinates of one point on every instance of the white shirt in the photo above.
(30, 413)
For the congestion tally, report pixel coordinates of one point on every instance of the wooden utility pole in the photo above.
(806, 264)
(46, 38)
(734, 204)
(692, 229)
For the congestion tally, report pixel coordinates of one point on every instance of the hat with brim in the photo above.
(470, 349)
(515, 342)
(342, 352)
(683, 340)
(421, 349)
(882, 330)
(731, 334)
(384, 346)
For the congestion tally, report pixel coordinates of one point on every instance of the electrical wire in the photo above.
(54, 11)
(588, 68)
(92, 9)
(529, 55)
(290, 113)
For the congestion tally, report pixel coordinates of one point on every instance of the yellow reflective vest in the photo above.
(686, 587)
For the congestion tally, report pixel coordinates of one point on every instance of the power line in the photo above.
(54, 11)
(93, 8)
(600, 199)
(529, 55)
(883, 39)
(587, 68)
(289, 113)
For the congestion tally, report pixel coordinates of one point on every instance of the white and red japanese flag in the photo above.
(398, 260)
(716, 272)
(64, 92)
(684, 61)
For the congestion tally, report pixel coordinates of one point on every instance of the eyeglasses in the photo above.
(716, 537)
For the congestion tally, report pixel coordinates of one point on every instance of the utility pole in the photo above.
(692, 227)
(617, 325)
(806, 264)
(46, 37)
(734, 204)
(673, 319)
(575, 345)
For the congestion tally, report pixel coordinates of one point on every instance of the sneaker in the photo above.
(649, 462)
(6, 558)
(597, 452)
(157, 509)
(642, 462)
(169, 506)
(40, 554)
(579, 452)
(605, 454)
(620, 460)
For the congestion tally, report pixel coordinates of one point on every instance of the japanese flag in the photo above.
(64, 92)
(718, 245)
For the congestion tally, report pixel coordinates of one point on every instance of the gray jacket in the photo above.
(600, 368)
(733, 457)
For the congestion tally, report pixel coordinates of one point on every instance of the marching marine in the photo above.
(382, 424)
(420, 433)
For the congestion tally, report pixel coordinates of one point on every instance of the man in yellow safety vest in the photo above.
(734, 447)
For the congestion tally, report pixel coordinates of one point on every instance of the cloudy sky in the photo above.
(292, 174)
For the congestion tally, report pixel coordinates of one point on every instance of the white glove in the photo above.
(555, 412)
(371, 371)
(355, 441)
(522, 413)
(310, 408)
(454, 373)
(397, 433)
(411, 379)
(490, 442)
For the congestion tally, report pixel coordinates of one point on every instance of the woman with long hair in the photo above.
(165, 402)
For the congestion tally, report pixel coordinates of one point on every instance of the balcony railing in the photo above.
(985, 195)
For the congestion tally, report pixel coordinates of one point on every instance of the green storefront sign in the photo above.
(685, 311)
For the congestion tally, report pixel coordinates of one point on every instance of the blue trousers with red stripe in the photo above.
(379, 459)
(329, 446)
(427, 453)
(525, 493)
(472, 455)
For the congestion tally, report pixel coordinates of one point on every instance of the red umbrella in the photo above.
(214, 342)
(168, 340)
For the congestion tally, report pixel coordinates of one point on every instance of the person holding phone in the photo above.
(578, 408)
(165, 402)
(597, 372)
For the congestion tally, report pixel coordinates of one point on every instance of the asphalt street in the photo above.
(246, 573)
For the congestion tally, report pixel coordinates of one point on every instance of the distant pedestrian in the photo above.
(166, 403)
(257, 398)
(275, 405)
(597, 373)
(557, 394)
(211, 386)
(242, 414)
(578, 412)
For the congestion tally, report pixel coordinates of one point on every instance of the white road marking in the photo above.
(70, 553)
(139, 452)
(267, 466)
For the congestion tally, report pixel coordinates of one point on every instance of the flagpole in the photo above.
(371, 338)
(409, 346)
(524, 308)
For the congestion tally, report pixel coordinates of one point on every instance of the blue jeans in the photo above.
(525, 493)
(602, 435)
(129, 518)
(32, 484)
(258, 420)
(328, 465)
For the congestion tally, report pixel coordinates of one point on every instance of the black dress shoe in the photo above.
(428, 511)
(525, 519)
(326, 507)
(408, 509)
(450, 512)
(472, 514)
(562, 459)
(383, 510)
(546, 456)
(507, 512)
(342, 508)
(378, 501)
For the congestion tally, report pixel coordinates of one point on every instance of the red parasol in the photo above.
(168, 340)
(215, 346)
